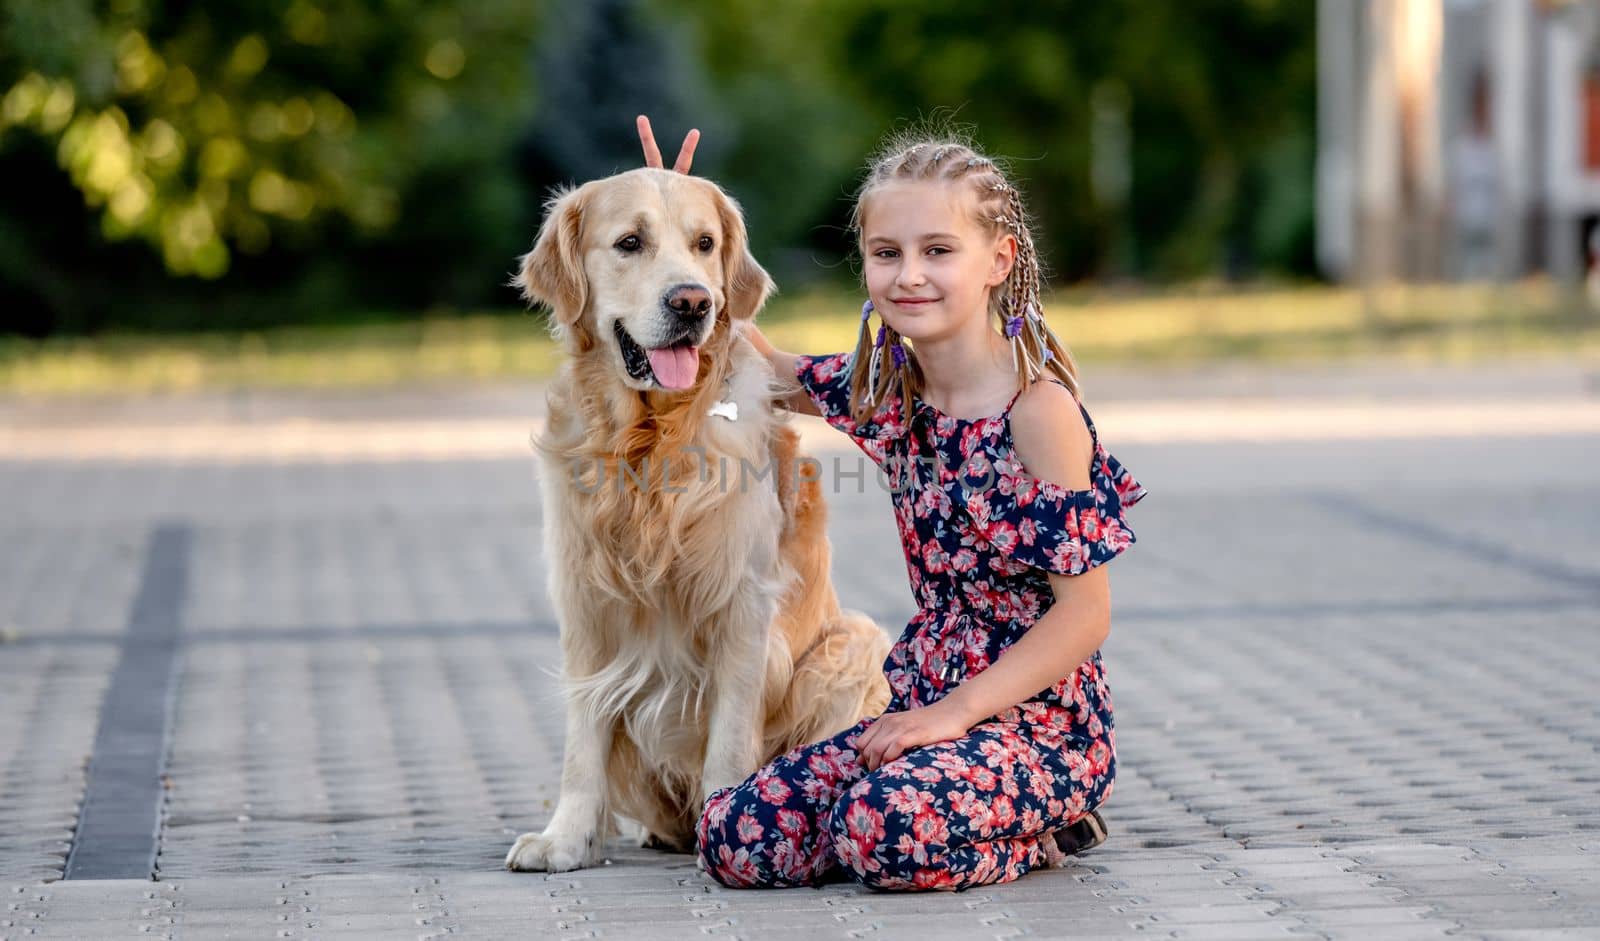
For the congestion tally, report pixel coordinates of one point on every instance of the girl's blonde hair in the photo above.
(945, 155)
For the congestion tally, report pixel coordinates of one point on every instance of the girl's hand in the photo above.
(652, 154)
(896, 733)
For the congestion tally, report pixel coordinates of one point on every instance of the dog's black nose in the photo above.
(689, 301)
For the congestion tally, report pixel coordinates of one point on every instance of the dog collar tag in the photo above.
(728, 409)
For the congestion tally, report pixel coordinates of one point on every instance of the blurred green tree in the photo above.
(1220, 111)
(1217, 90)
(597, 64)
(211, 131)
(254, 161)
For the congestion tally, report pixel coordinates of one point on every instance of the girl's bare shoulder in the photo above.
(1050, 437)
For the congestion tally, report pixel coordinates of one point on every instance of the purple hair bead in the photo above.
(879, 341)
(1013, 326)
(866, 309)
(1048, 356)
(899, 355)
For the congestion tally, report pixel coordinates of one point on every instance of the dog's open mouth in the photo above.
(673, 366)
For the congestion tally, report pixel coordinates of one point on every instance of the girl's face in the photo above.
(929, 266)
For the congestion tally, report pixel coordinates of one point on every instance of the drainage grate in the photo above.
(119, 823)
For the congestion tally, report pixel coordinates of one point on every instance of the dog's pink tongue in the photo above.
(675, 366)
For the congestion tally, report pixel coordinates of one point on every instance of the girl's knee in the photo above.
(737, 849)
(731, 867)
(717, 845)
(868, 839)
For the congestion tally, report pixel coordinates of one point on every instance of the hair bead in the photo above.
(873, 362)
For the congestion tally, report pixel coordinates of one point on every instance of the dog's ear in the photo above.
(748, 284)
(552, 274)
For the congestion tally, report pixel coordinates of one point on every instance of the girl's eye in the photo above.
(705, 244)
(885, 253)
(629, 244)
(938, 250)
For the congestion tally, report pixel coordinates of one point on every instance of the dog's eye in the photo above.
(629, 244)
(706, 244)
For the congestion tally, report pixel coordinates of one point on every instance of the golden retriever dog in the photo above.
(685, 540)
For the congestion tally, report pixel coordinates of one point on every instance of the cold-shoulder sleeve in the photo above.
(826, 378)
(1039, 523)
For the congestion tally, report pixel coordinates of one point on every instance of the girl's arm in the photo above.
(1057, 644)
(1052, 443)
(783, 364)
(1068, 634)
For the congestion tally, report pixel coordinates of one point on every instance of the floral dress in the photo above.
(981, 537)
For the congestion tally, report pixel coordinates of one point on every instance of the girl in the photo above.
(997, 745)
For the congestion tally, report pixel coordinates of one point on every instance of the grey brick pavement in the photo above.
(1354, 688)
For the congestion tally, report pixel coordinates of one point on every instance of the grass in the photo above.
(1427, 323)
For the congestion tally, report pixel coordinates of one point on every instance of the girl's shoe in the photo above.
(1080, 836)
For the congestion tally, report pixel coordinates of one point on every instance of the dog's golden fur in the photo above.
(700, 629)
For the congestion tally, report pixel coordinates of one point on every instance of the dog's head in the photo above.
(643, 266)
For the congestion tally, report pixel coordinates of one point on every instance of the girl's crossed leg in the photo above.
(951, 815)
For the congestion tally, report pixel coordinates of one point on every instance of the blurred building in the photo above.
(1457, 138)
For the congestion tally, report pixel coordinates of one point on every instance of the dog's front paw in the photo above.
(550, 852)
